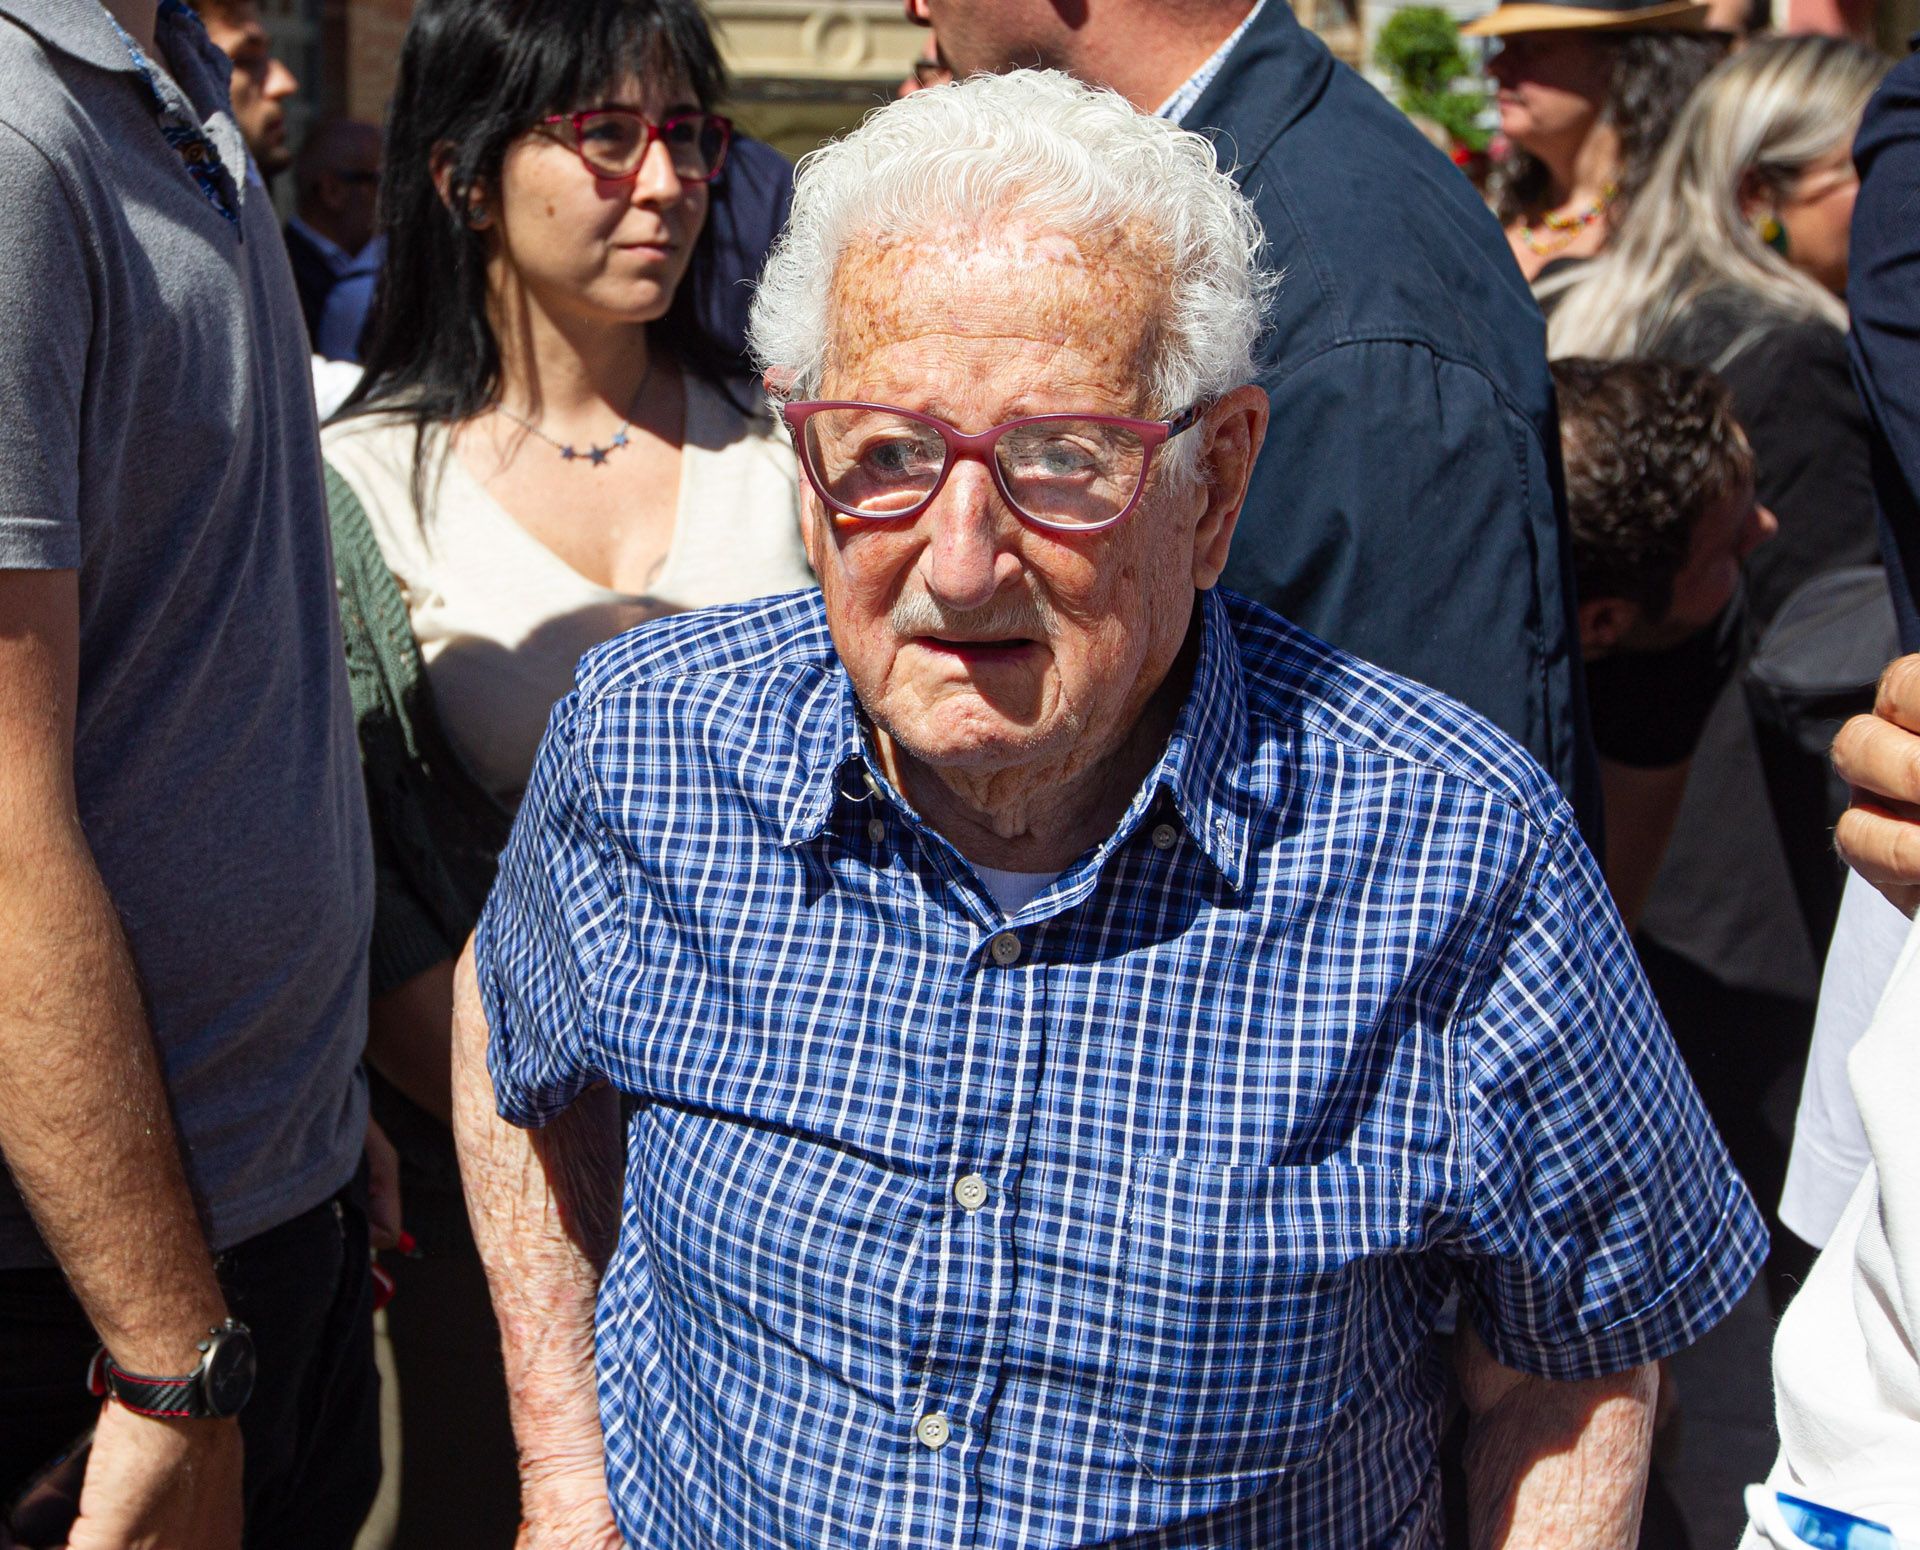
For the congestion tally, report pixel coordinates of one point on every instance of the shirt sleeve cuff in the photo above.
(1673, 1319)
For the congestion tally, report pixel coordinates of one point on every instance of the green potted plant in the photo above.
(1420, 48)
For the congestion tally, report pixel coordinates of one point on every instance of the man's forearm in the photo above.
(84, 1120)
(545, 1210)
(1551, 1465)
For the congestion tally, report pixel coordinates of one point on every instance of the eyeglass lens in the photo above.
(1071, 473)
(615, 143)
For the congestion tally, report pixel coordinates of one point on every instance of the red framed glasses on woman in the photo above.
(1072, 473)
(613, 142)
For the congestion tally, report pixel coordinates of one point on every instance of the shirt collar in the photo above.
(1180, 104)
(81, 29)
(194, 87)
(1199, 772)
(1277, 73)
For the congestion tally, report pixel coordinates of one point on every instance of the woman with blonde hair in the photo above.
(1735, 258)
(1742, 226)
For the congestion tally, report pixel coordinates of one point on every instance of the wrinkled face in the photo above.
(1818, 215)
(260, 87)
(1552, 88)
(977, 641)
(584, 245)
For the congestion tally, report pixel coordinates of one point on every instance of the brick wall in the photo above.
(374, 29)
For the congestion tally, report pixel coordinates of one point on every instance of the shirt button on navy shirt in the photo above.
(1164, 834)
(971, 1192)
(932, 1430)
(1005, 949)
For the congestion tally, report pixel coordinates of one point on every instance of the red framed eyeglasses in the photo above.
(613, 142)
(1072, 473)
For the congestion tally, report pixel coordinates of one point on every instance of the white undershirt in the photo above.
(1014, 891)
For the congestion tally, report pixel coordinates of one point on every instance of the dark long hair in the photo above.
(474, 76)
(1653, 75)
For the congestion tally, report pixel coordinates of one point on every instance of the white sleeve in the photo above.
(1829, 1145)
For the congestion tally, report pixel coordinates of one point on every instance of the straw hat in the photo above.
(1588, 16)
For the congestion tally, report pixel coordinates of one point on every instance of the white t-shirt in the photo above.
(502, 621)
(1013, 891)
(1846, 1376)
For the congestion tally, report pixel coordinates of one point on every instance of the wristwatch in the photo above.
(217, 1388)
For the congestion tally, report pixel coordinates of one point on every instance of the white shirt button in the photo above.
(876, 830)
(1005, 949)
(1164, 834)
(971, 1192)
(932, 1430)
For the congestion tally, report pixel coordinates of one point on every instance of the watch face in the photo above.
(229, 1375)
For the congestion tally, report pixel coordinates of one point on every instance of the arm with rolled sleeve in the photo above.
(538, 1136)
(1605, 1227)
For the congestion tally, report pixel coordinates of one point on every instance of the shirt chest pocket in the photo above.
(1241, 1289)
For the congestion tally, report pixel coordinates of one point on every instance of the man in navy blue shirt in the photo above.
(1883, 296)
(1408, 505)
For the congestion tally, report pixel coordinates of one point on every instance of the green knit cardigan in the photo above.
(437, 834)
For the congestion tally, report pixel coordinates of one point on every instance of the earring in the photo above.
(1770, 230)
(478, 217)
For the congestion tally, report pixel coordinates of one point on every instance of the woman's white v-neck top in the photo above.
(501, 620)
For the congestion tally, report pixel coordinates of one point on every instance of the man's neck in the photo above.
(1151, 53)
(139, 18)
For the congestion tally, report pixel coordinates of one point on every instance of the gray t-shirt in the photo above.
(157, 434)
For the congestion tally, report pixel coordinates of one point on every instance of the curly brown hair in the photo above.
(1650, 447)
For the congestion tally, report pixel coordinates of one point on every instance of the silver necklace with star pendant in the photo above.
(596, 455)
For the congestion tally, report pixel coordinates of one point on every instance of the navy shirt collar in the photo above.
(1274, 74)
(1198, 773)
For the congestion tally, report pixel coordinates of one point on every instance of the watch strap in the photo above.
(170, 1398)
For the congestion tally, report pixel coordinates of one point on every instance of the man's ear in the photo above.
(1604, 623)
(1231, 433)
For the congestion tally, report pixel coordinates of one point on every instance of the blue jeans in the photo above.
(312, 1427)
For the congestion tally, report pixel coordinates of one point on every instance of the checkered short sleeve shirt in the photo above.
(1129, 1218)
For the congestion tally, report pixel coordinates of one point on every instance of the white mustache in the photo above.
(1011, 615)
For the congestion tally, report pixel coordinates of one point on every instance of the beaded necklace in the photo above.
(1566, 227)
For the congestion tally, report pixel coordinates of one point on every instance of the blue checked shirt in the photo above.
(1124, 1220)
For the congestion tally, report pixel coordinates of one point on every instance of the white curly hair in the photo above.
(1040, 151)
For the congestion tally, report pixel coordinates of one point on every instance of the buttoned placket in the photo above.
(993, 1039)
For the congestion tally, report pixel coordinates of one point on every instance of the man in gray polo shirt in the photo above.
(184, 868)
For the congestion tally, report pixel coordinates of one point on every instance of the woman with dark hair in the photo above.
(1587, 93)
(548, 447)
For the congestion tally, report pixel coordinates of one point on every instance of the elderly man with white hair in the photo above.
(1071, 1035)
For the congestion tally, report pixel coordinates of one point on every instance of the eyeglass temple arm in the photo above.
(1185, 420)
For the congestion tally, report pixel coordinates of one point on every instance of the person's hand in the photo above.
(383, 1189)
(1879, 757)
(155, 1484)
(567, 1510)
